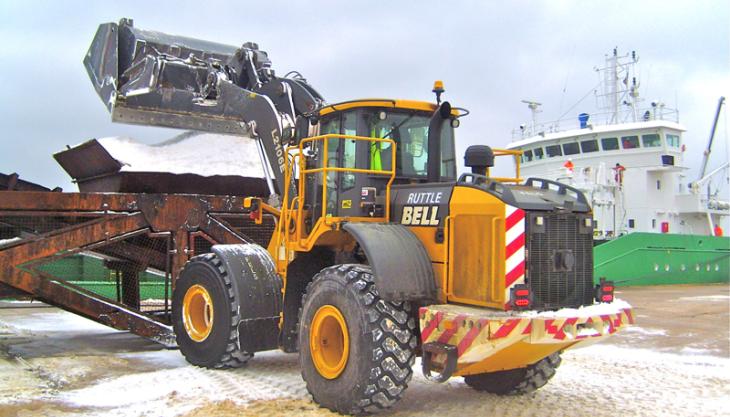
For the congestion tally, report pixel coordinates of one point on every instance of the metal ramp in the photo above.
(51, 243)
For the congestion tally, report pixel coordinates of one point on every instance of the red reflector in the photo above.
(607, 289)
(522, 293)
(253, 215)
(607, 298)
(522, 302)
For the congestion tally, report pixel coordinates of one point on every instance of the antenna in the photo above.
(534, 108)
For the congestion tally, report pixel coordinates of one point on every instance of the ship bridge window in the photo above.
(527, 156)
(589, 146)
(673, 140)
(553, 151)
(629, 142)
(570, 148)
(539, 154)
(609, 144)
(651, 141)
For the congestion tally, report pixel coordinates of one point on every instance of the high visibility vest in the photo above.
(376, 162)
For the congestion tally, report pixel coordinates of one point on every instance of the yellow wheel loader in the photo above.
(381, 252)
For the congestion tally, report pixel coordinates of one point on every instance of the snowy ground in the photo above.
(53, 363)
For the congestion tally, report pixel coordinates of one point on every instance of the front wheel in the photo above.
(205, 315)
(356, 350)
(516, 381)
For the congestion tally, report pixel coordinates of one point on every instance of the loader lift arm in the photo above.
(151, 78)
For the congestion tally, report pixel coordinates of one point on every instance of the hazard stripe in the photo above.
(470, 336)
(513, 233)
(432, 325)
(560, 335)
(506, 328)
(514, 218)
(455, 324)
(515, 245)
(514, 251)
(630, 316)
(514, 274)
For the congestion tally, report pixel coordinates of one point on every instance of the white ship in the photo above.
(628, 160)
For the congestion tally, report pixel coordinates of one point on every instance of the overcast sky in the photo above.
(490, 56)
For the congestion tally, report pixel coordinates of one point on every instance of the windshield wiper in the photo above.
(399, 125)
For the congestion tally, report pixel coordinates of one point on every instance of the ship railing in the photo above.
(596, 119)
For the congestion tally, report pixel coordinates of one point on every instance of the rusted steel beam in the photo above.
(77, 300)
(15, 260)
(31, 200)
(134, 253)
(45, 213)
(7, 291)
(78, 236)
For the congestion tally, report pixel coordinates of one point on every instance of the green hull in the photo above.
(658, 259)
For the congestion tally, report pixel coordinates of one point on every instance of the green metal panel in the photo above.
(90, 273)
(658, 259)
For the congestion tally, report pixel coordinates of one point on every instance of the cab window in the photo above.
(589, 146)
(629, 142)
(570, 148)
(609, 144)
(673, 140)
(539, 154)
(651, 141)
(553, 151)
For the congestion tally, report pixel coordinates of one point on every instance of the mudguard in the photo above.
(402, 268)
(258, 288)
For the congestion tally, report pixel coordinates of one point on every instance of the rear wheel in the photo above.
(355, 349)
(205, 315)
(516, 381)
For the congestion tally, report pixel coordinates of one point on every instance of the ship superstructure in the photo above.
(628, 160)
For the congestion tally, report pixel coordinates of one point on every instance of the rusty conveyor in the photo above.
(136, 231)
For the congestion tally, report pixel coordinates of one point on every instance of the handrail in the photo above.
(516, 153)
(325, 169)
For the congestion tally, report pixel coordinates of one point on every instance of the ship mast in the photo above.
(620, 89)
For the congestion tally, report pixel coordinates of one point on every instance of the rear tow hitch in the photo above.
(435, 348)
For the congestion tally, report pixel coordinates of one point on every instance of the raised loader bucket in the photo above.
(151, 78)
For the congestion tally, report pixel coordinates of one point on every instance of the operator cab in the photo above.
(407, 123)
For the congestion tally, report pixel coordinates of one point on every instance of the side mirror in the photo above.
(445, 110)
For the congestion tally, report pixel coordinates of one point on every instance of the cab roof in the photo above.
(382, 102)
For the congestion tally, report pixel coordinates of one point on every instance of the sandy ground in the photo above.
(675, 362)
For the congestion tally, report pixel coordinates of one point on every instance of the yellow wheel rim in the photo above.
(329, 342)
(197, 313)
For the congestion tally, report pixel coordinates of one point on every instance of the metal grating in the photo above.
(246, 227)
(130, 271)
(554, 287)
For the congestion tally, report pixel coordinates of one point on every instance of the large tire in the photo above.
(516, 381)
(204, 342)
(376, 366)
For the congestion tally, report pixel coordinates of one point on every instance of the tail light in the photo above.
(604, 291)
(520, 297)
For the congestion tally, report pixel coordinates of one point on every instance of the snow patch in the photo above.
(706, 298)
(203, 154)
(593, 310)
(4, 242)
(646, 332)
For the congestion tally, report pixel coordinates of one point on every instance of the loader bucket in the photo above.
(151, 78)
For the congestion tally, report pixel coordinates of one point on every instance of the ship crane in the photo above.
(695, 186)
(702, 178)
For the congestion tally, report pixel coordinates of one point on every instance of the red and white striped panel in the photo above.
(514, 229)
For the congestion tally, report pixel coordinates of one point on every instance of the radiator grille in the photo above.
(554, 287)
